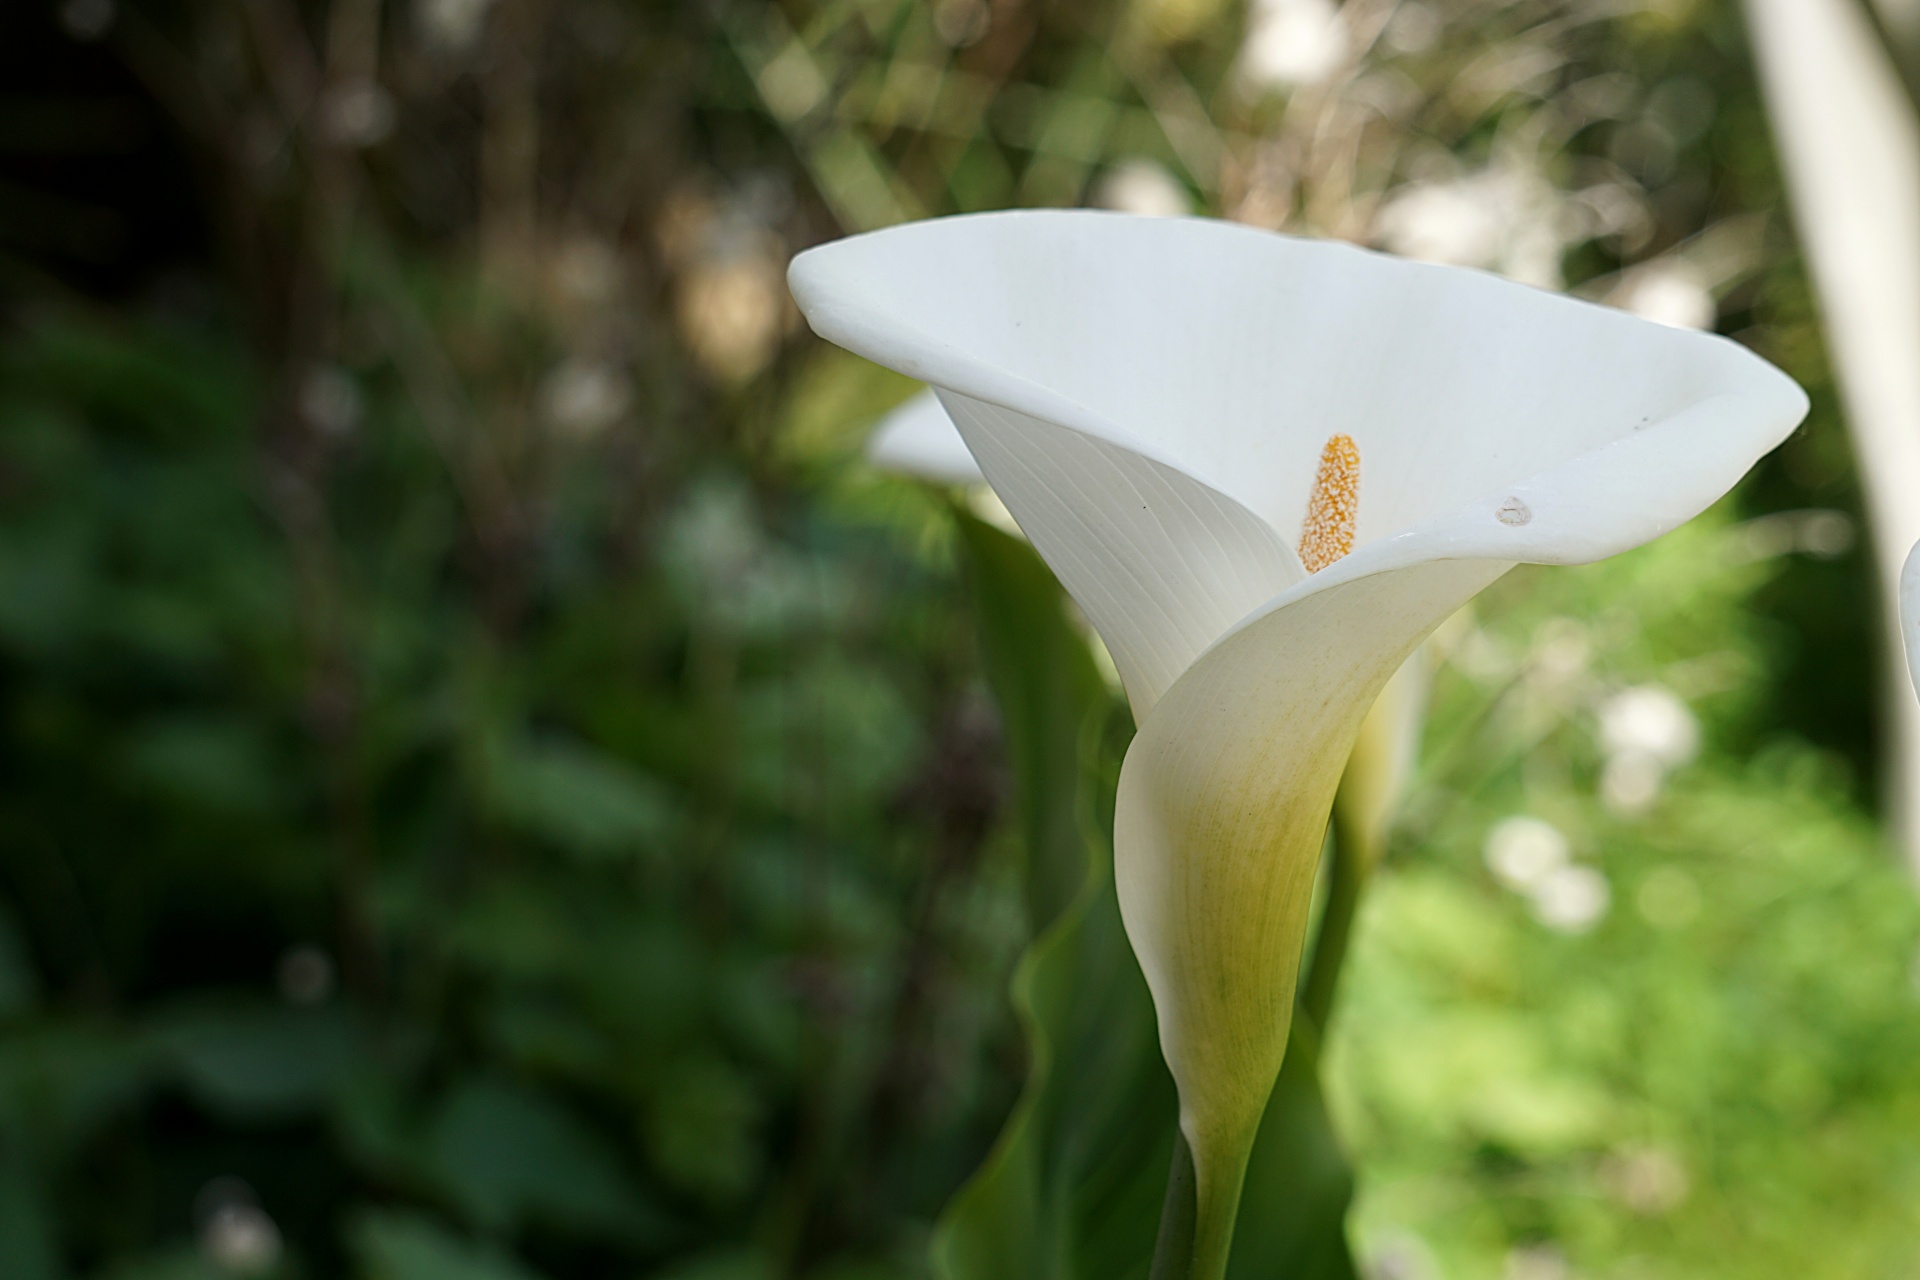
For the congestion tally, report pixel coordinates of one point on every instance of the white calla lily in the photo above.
(1169, 408)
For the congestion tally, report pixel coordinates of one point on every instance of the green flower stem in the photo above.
(1217, 1206)
(1196, 1221)
(1173, 1252)
(1196, 1245)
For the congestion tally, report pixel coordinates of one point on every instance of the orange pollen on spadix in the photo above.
(1334, 506)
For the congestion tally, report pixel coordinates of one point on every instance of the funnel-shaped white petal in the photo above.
(1227, 356)
(1161, 562)
(1150, 398)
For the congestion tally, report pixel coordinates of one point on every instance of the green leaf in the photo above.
(1076, 1174)
(507, 1154)
(729, 1264)
(180, 1262)
(702, 1127)
(583, 800)
(1293, 1209)
(1073, 1187)
(1050, 694)
(19, 984)
(262, 1062)
(29, 1249)
(61, 1084)
(407, 1246)
(218, 764)
(47, 582)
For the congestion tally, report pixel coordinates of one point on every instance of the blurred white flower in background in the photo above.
(731, 312)
(1681, 286)
(715, 538)
(1814, 531)
(730, 264)
(1646, 732)
(1534, 859)
(359, 113)
(582, 398)
(330, 402)
(1458, 221)
(960, 23)
(739, 578)
(304, 975)
(586, 272)
(236, 1235)
(241, 1239)
(1669, 293)
(1400, 1255)
(1292, 42)
(1143, 186)
(1649, 1180)
(1652, 719)
(1571, 899)
(1825, 535)
(1615, 209)
(452, 25)
(1536, 1262)
(1505, 218)
(1521, 852)
(87, 20)
(792, 84)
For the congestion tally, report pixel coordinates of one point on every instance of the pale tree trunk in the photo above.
(1849, 142)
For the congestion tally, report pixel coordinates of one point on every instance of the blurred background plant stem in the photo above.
(1840, 86)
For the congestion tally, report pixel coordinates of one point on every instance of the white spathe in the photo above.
(1150, 398)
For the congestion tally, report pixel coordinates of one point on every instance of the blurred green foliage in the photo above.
(615, 937)
(491, 788)
(1714, 1078)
